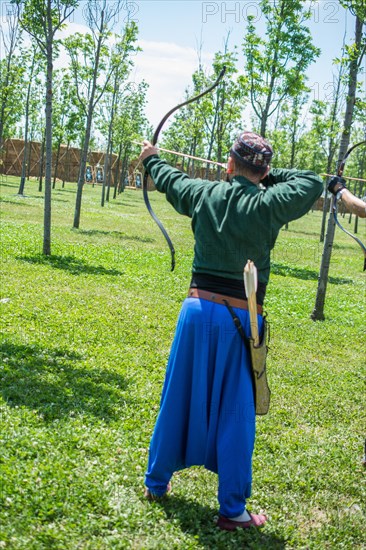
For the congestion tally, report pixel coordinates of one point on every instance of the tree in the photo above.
(121, 62)
(204, 128)
(226, 103)
(355, 54)
(33, 58)
(276, 66)
(130, 124)
(11, 72)
(42, 19)
(66, 116)
(89, 56)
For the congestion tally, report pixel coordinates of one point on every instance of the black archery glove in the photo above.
(336, 184)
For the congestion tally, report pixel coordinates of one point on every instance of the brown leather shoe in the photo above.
(256, 520)
(150, 496)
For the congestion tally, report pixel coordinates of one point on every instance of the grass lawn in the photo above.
(85, 338)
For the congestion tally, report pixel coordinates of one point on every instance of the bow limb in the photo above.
(335, 206)
(154, 141)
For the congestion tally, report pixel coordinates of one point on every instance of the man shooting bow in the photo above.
(207, 411)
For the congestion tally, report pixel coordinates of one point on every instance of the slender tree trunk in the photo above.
(116, 172)
(83, 161)
(220, 129)
(48, 172)
(26, 126)
(29, 159)
(85, 150)
(331, 151)
(211, 142)
(56, 164)
(104, 180)
(264, 117)
(13, 32)
(109, 172)
(124, 171)
(105, 197)
(318, 312)
(109, 143)
(41, 164)
(67, 167)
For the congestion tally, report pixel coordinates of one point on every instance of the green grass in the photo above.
(85, 339)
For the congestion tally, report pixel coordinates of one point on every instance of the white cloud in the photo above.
(168, 69)
(165, 66)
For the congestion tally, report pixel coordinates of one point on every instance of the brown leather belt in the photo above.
(220, 299)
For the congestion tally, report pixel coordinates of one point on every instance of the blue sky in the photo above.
(170, 33)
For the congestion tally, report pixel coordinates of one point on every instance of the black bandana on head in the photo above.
(252, 150)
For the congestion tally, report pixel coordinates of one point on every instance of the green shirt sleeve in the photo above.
(290, 194)
(181, 191)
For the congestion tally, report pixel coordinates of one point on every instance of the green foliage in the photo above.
(85, 338)
(11, 94)
(356, 7)
(205, 128)
(68, 119)
(42, 18)
(276, 66)
(11, 73)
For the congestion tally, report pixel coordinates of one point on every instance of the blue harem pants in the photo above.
(207, 414)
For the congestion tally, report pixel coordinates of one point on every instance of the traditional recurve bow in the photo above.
(335, 207)
(154, 141)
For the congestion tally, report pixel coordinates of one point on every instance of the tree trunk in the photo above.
(56, 164)
(41, 164)
(108, 175)
(83, 161)
(211, 143)
(331, 152)
(107, 162)
(48, 172)
(12, 33)
(124, 171)
(67, 165)
(25, 156)
(84, 153)
(265, 112)
(116, 172)
(318, 312)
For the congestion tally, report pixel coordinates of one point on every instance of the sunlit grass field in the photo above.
(85, 339)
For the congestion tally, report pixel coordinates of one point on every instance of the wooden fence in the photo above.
(68, 163)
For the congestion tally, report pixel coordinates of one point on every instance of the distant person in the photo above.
(337, 186)
(207, 410)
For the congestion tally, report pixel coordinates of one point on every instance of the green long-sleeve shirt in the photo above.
(236, 221)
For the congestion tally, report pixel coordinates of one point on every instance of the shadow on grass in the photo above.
(64, 190)
(14, 185)
(300, 231)
(118, 234)
(76, 266)
(18, 202)
(198, 520)
(50, 381)
(59, 200)
(20, 198)
(305, 274)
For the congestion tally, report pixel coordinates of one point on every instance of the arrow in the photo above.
(185, 155)
(250, 285)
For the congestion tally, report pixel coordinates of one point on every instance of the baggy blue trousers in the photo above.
(207, 413)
